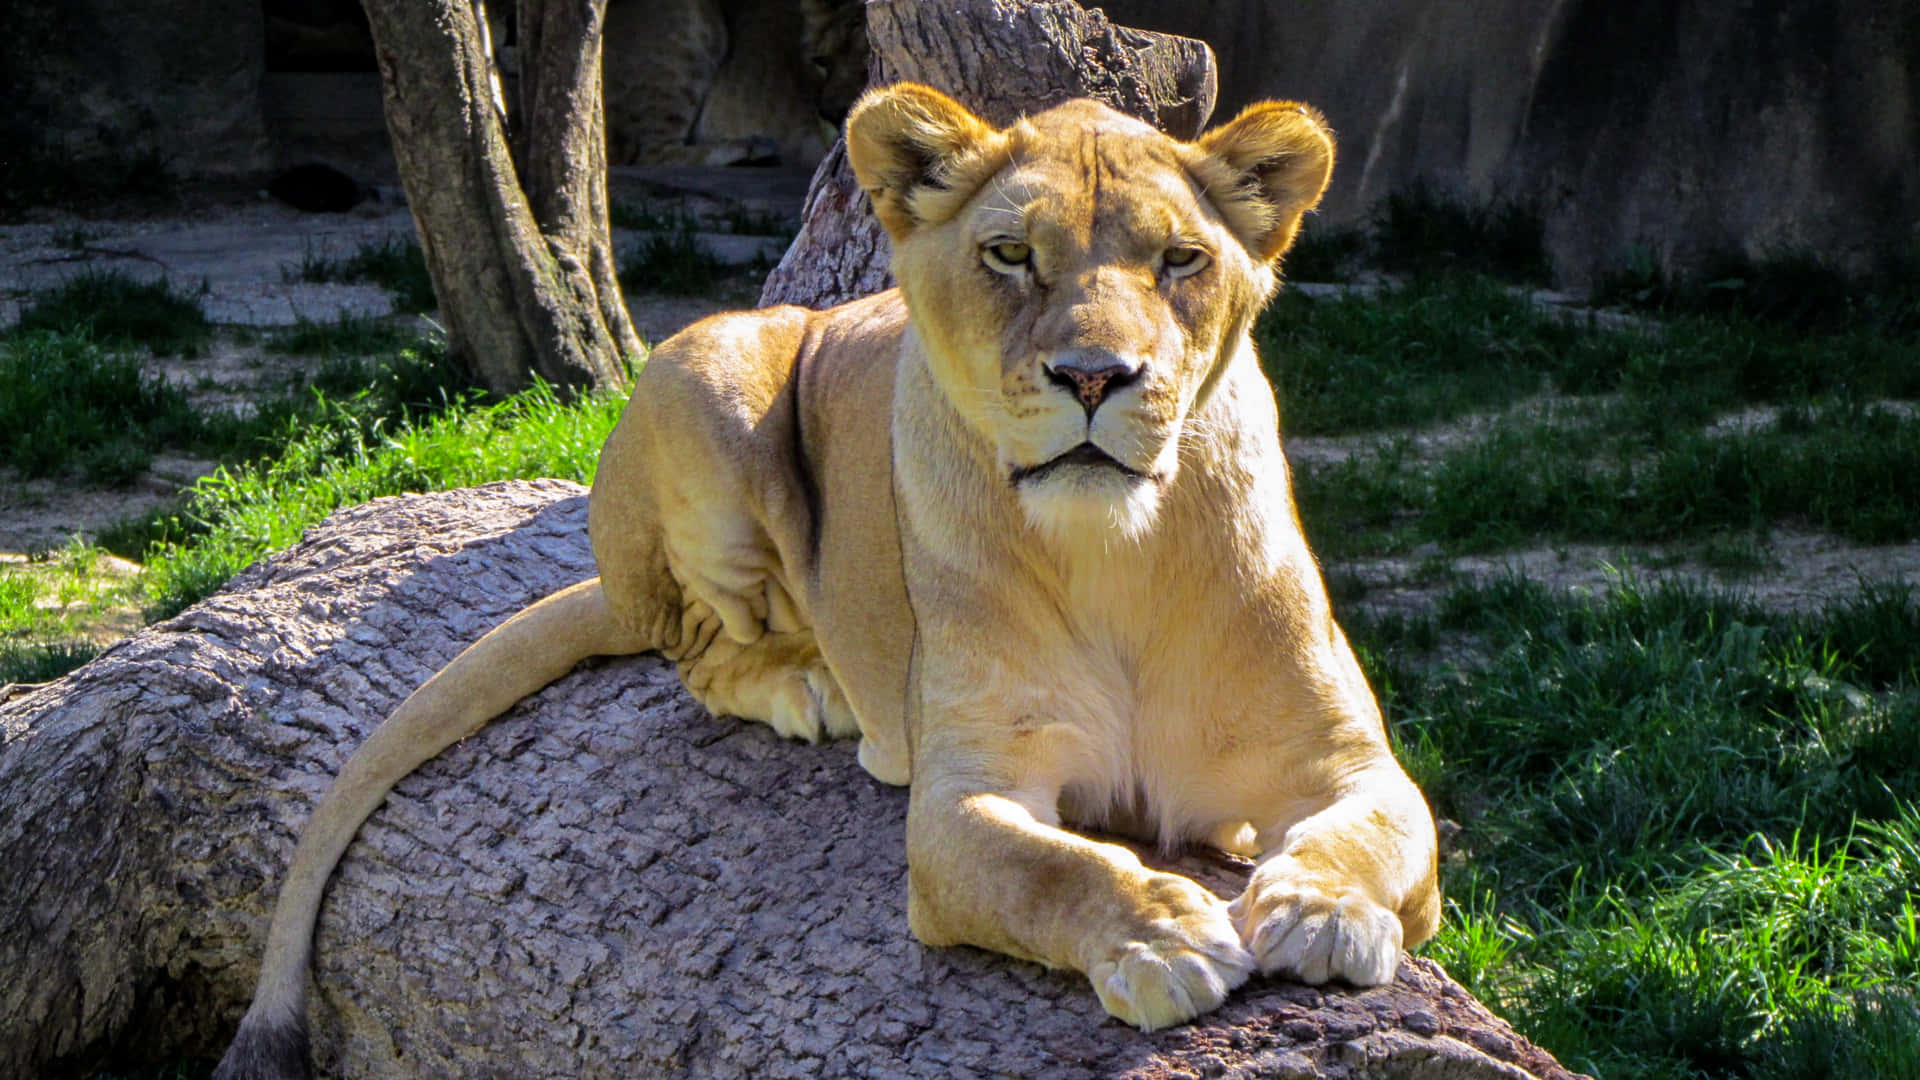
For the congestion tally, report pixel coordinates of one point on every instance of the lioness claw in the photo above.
(1173, 978)
(1311, 936)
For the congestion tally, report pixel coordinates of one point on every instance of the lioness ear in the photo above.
(1275, 159)
(907, 141)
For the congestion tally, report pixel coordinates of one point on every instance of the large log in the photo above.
(1001, 58)
(605, 882)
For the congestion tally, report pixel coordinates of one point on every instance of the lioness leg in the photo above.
(994, 869)
(779, 679)
(1344, 885)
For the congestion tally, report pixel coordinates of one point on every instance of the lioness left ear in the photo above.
(1273, 161)
(908, 144)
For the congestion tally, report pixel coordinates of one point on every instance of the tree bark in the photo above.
(518, 243)
(605, 882)
(1000, 58)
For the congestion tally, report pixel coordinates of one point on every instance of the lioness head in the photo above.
(1079, 278)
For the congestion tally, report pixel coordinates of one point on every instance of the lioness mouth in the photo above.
(1085, 454)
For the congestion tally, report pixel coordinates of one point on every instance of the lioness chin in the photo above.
(1023, 525)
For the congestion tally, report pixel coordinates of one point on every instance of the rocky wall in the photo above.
(1680, 128)
(175, 81)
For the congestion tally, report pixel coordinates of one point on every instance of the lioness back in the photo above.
(757, 497)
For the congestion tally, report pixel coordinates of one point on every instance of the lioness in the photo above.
(1024, 526)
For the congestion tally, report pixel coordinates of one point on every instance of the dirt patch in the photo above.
(1796, 571)
(659, 316)
(1424, 445)
(43, 514)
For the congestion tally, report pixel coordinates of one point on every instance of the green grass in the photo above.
(1690, 836)
(72, 406)
(231, 519)
(673, 262)
(115, 309)
(47, 606)
(1848, 469)
(395, 263)
(1439, 346)
(348, 336)
(67, 402)
(1608, 432)
(671, 259)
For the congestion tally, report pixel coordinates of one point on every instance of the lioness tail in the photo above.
(516, 658)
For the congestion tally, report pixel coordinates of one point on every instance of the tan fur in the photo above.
(832, 522)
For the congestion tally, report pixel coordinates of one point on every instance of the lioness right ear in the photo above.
(907, 142)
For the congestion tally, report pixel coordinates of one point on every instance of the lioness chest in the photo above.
(1131, 671)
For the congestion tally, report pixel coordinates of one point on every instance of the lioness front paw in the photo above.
(1181, 967)
(1312, 935)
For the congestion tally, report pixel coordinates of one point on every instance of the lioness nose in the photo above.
(1091, 374)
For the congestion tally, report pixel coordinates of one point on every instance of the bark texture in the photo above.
(518, 243)
(1000, 58)
(606, 882)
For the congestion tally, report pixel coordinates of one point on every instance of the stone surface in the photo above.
(243, 261)
(124, 79)
(604, 882)
(1684, 129)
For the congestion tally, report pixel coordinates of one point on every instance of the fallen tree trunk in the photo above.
(1000, 58)
(605, 882)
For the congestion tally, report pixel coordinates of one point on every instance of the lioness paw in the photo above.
(1310, 935)
(1181, 968)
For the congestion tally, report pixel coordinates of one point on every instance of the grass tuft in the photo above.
(232, 518)
(1422, 229)
(66, 402)
(1798, 291)
(394, 263)
(114, 309)
(46, 608)
(348, 336)
(70, 407)
(673, 262)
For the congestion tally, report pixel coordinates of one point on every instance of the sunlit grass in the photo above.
(234, 517)
(52, 608)
(1689, 838)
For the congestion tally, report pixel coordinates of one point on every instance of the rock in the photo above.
(1688, 130)
(173, 81)
(607, 881)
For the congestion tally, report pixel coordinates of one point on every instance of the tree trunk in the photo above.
(517, 242)
(1000, 58)
(606, 882)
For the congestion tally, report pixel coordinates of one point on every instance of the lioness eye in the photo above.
(1181, 261)
(1011, 253)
